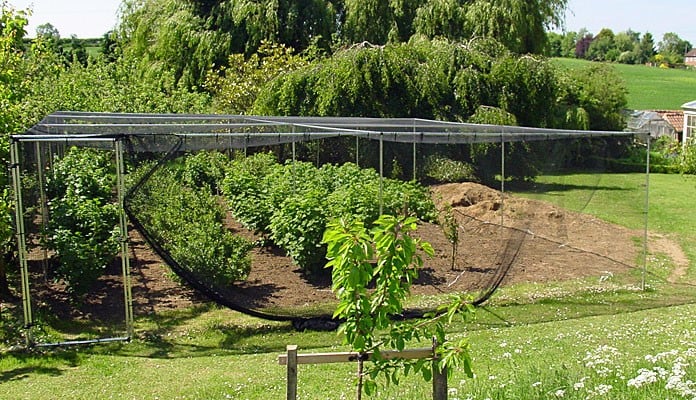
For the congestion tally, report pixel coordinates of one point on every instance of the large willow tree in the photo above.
(445, 80)
(519, 24)
(181, 40)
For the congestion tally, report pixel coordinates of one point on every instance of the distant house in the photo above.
(689, 121)
(675, 119)
(690, 58)
(658, 123)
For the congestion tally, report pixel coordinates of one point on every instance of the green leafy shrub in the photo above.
(246, 188)
(298, 225)
(205, 169)
(188, 222)
(443, 169)
(687, 157)
(292, 203)
(82, 228)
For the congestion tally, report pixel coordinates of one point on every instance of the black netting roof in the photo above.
(149, 132)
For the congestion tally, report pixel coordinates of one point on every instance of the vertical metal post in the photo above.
(414, 151)
(357, 151)
(502, 179)
(381, 172)
(294, 178)
(123, 222)
(43, 206)
(645, 211)
(21, 238)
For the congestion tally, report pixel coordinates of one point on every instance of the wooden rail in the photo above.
(292, 359)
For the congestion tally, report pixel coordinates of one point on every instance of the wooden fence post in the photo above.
(439, 377)
(291, 359)
(292, 372)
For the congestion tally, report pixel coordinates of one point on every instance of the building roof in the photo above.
(690, 106)
(691, 53)
(673, 117)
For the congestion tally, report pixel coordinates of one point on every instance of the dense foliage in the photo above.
(236, 87)
(182, 39)
(177, 207)
(449, 81)
(83, 224)
(36, 80)
(292, 203)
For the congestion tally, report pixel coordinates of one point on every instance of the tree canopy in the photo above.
(184, 38)
(440, 79)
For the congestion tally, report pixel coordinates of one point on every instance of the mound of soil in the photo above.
(537, 241)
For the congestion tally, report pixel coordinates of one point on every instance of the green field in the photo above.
(650, 88)
(622, 200)
(574, 340)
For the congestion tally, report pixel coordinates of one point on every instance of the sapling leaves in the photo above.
(372, 276)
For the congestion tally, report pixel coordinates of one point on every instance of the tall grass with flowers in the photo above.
(212, 353)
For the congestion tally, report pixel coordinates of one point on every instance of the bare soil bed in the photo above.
(538, 241)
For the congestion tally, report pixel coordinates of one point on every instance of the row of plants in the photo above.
(292, 203)
(185, 217)
(82, 230)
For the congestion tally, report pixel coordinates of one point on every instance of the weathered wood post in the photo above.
(292, 372)
(439, 376)
(291, 359)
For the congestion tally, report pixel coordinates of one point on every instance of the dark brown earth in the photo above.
(540, 243)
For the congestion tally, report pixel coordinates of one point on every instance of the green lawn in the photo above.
(572, 340)
(620, 198)
(218, 354)
(650, 88)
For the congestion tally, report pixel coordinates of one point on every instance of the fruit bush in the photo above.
(188, 223)
(293, 203)
(83, 225)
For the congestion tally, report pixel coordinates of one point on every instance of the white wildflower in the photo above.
(644, 377)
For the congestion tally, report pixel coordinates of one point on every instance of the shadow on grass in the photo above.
(577, 307)
(50, 363)
(541, 187)
(26, 372)
(171, 335)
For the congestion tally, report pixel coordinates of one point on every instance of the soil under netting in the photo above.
(539, 241)
(551, 244)
(503, 238)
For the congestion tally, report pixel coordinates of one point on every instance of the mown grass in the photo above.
(221, 355)
(650, 88)
(620, 199)
(598, 337)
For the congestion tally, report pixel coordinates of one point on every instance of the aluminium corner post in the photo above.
(381, 172)
(357, 150)
(415, 135)
(502, 179)
(125, 261)
(294, 159)
(21, 238)
(44, 204)
(645, 211)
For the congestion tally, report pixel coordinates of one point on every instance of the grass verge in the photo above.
(650, 88)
